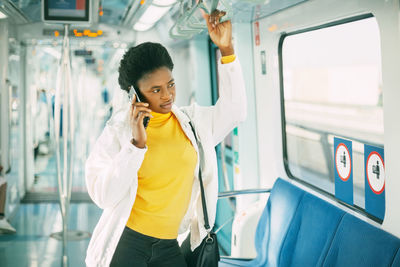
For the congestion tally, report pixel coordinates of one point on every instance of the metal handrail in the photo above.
(194, 23)
(243, 192)
(236, 193)
(179, 35)
(187, 24)
(64, 149)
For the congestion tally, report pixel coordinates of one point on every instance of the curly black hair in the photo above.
(141, 60)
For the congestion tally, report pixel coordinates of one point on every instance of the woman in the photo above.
(145, 179)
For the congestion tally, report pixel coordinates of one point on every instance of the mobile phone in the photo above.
(132, 92)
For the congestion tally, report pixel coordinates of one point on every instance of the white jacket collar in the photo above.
(182, 117)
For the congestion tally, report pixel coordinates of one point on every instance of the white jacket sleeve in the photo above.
(231, 107)
(111, 168)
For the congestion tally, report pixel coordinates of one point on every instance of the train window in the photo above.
(331, 86)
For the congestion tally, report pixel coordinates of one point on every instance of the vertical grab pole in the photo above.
(64, 99)
(66, 139)
(71, 128)
(57, 108)
(64, 172)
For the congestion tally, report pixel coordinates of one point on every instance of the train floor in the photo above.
(33, 246)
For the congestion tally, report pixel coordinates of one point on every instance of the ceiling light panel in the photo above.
(153, 14)
(163, 2)
(142, 27)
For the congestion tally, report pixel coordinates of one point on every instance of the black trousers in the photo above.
(137, 250)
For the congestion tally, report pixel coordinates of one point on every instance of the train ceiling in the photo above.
(115, 12)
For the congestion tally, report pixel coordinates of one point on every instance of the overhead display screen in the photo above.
(67, 11)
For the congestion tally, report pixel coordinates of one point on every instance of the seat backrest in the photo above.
(396, 261)
(311, 233)
(299, 229)
(274, 222)
(358, 243)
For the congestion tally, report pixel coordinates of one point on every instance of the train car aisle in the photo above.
(32, 244)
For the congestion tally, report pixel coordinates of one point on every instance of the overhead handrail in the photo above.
(173, 32)
(191, 20)
(194, 23)
(187, 24)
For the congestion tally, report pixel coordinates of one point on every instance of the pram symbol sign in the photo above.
(375, 169)
(343, 162)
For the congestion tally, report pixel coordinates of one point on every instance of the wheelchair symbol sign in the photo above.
(343, 162)
(375, 169)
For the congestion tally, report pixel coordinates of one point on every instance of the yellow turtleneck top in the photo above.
(165, 179)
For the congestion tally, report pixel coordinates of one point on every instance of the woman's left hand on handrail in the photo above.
(220, 33)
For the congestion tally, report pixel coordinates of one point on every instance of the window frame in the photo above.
(330, 196)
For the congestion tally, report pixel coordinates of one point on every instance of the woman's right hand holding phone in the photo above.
(139, 111)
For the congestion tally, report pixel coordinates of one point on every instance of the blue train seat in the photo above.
(357, 243)
(299, 229)
(396, 261)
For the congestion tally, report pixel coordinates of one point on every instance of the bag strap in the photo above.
(203, 198)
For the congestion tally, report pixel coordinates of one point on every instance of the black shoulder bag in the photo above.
(207, 254)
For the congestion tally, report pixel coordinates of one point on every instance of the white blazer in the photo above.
(112, 166)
